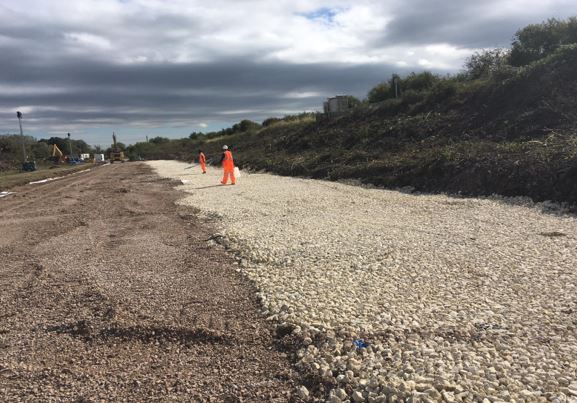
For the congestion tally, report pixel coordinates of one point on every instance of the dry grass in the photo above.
(12, 179)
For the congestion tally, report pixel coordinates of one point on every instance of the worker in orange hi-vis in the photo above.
(228, 166)
(202, 161)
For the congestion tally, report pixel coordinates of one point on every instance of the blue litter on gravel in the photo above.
(360, 343)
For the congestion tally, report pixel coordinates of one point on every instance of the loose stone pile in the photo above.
(459, 299)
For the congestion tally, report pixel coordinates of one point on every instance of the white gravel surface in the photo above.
(459, 299)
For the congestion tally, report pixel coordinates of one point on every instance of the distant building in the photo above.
(336, 106)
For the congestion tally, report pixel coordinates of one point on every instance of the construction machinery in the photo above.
(57, 155)
(116, 154)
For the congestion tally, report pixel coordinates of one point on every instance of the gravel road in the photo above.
(109, 292)
(458, 299)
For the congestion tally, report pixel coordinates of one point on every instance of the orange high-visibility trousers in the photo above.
(202, 161)
(228, 166)
(228, 173)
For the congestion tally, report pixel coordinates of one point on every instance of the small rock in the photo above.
(354, 365)
(340, 393)
(303, 392)
(358, 396)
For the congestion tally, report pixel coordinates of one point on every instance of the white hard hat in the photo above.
(225, 147)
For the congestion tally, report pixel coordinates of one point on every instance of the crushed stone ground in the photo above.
(108, 292)
(459, 299)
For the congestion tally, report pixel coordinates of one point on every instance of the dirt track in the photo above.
(108, 291)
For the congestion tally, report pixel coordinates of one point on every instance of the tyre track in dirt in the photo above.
(109, 291)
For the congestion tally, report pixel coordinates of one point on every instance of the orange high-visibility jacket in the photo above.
(227, 161)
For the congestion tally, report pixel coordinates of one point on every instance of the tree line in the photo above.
(12, 145)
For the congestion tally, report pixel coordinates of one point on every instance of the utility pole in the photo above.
(70, 145)
(19, 115)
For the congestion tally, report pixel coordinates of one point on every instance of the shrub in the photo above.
(270, 121)
(156, 140)
(246, 125)
(414, 82)
(381, 92)
(537, 41)
(485, 64)
(411, 97)
(353, 101)
(301, 117)
(418, 81)
(442, 91)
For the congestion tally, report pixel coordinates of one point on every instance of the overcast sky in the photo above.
(171, 67)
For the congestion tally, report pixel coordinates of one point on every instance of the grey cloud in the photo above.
(164, 93)
(224, 75)
(468, 24)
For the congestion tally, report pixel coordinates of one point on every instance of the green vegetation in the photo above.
(407, 87)
(537, 41)
(505, 125)
(36, 150)
(11, 150)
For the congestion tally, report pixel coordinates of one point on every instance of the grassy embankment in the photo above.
(514, 136)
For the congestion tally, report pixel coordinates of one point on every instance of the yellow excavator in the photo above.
(57, 155)
(116, 154)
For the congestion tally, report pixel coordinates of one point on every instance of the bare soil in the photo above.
(108, 291)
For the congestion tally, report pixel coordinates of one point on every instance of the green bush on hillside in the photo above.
(487, 63)
(418, 81)
(412, 97)
(270, 121)
(537, 41)
(442, 91)
(413, 83)
(246, 125)
(159, 140)
(531, 44)
(381, 92)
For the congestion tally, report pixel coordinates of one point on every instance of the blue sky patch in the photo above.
(324, 14)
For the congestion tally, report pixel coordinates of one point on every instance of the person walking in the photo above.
(202, 161)
(228, 166)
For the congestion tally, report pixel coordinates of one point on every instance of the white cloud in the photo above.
(185, 31)
(242, 112)
(302, 94)
(12, 89)
(88, 40)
